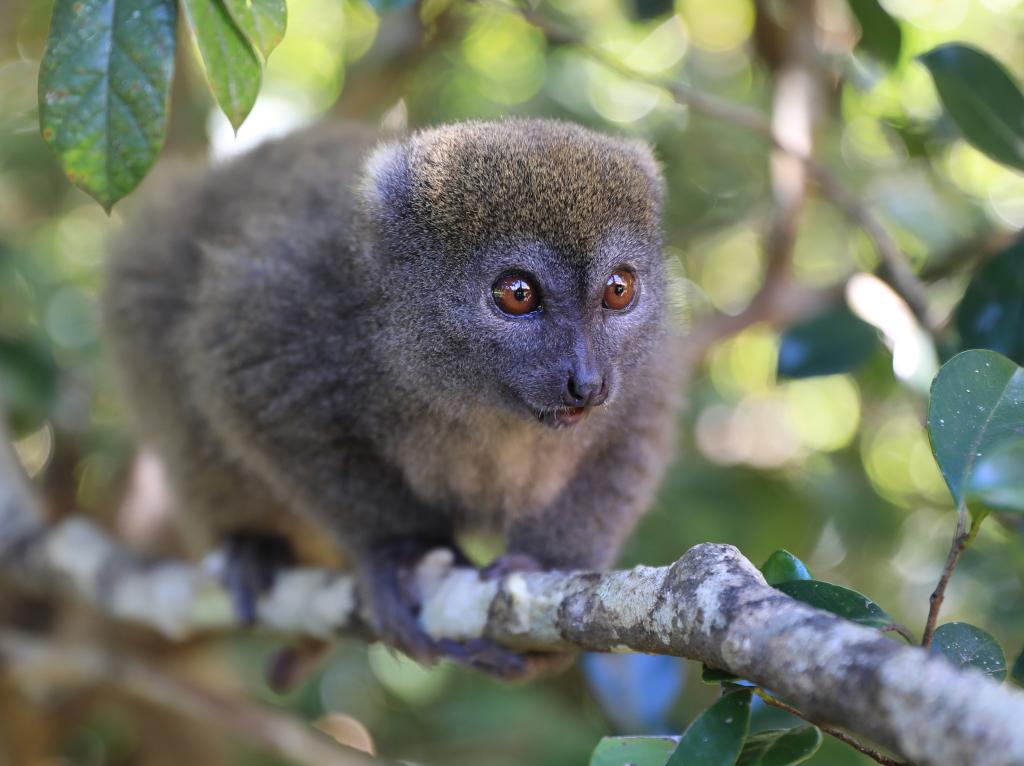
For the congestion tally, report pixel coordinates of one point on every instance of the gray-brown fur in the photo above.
(307, 333)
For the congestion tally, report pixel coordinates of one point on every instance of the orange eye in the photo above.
(620, 290)
(515, 294)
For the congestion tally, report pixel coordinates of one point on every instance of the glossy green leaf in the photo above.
(997, 482)
(28, 382)
(833, 342)
(263, 22)
(783, 566)
(982, 98)
(977, 403)
(991, 314)
(780, 747)
(880, 33)
(968, 646)
(104, 85)
(1017, 673)
(232, 66)
(633, 751)
(846, 603)
(716, 736)
(713, 676)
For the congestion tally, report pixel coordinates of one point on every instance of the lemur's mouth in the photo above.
(563, 417)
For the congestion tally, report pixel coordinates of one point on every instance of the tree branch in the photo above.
(711, 605)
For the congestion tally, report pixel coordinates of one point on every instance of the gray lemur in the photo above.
(398, 339)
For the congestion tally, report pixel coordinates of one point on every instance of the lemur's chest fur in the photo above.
(486, 469)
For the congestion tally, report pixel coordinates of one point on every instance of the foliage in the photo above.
(803, 437)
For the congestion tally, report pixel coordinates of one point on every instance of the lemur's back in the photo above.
(156, 274)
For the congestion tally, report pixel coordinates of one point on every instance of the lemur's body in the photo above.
(306, 332)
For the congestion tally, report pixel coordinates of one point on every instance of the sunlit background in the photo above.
(837, 469)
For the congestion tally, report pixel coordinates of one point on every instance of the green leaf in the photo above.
(716, 737)
(104, 85)
(783, 566)
(633, 751)
(991, 314)
(1017, 674)
(846, 603)
(28, 382)
(997, 482)
(780, 747)
(713, 676)
(970, 647)
(880, 33)
(977, 403)
(833, 342)
(982, 98)
(232, 67)
(263, 22)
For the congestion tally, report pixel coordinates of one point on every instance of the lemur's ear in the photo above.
(385, 177)
(649, 165)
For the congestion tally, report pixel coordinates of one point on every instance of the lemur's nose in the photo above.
(585, 390)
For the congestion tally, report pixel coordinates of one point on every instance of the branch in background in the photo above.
(34, 660)
(894, 269)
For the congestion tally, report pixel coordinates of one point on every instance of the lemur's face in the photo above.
(561, 336)
(527, 262)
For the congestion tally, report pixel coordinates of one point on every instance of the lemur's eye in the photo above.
(515, 294)
(620, 290)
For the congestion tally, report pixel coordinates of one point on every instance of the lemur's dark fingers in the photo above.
(252, 561)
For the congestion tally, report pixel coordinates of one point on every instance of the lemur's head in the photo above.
(524, 261)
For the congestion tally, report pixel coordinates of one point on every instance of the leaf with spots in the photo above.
(967, 646)
(635, 751)
(232, 67)
(843, 602)
(716, 736)
(104, 85)
(977, 404)
(262, 21)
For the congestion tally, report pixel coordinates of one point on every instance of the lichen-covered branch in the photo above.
(711, 605)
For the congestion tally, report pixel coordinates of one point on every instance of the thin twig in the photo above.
(34, 658)
(901, 630)
(961, 539)
(832, 731)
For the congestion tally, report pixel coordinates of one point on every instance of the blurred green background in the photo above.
(837, 469)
